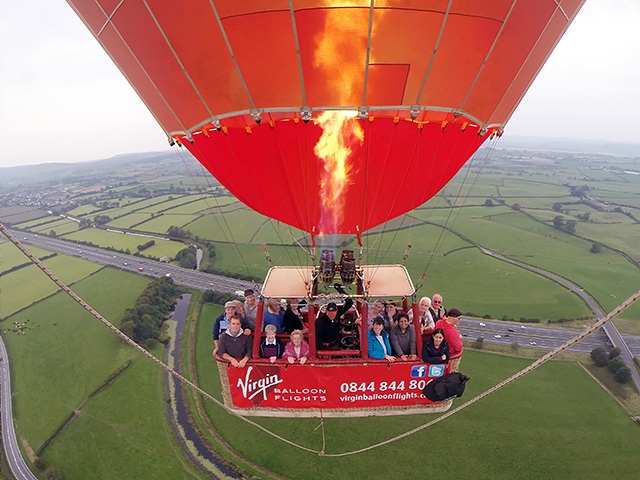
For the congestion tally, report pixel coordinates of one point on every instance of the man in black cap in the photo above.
(328, 325)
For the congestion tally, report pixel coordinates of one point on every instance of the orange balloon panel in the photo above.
(226, 66)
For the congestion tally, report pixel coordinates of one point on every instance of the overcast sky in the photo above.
(63, 100)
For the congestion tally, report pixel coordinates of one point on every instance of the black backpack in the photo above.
(445, 388)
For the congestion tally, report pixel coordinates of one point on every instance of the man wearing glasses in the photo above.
(437, 309)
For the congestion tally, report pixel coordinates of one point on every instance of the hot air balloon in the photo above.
(306, 109)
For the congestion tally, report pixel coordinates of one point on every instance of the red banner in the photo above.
(334, 386)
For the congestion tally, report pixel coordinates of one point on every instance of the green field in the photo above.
(129, 220)
(64, 356)
(44, 219)
(161, 224)
(10, 255)
(22, 287)
(61, 227)
(21, 214)
(119, 241)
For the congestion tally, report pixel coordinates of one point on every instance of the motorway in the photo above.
(150, 268)
(532, 336)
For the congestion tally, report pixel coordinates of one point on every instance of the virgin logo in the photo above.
(252, 387)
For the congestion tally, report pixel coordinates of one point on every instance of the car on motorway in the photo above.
(167, 274)
(239, 293)
(497, 336)
(532, 343)
(140, 269)
(523, 327)
(125, 264)
(510, 330)
(483, 324)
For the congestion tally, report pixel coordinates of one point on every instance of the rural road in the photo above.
(610, 329)
(11, 449)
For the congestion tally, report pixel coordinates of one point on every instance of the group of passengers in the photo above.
(391, 333)
(232, 331)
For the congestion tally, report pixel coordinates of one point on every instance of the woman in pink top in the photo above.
(297, 348)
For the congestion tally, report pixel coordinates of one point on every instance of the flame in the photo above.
(340, 54)
(340, 131)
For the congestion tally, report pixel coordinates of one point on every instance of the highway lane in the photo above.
(531, 337)
(12, 451)
(141, 265)
(544, 337)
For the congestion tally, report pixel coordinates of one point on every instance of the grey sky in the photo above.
(63, 100)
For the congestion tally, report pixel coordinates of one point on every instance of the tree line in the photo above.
(143, 322)
(613, 361)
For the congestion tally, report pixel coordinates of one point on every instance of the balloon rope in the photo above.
(589, 330)
(545, 358)
(133, 344)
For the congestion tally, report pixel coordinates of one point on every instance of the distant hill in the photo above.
(570, 145)
(56, 172)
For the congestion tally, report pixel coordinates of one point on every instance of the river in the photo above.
(180, 415)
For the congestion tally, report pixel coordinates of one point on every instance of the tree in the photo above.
(558, 222)
(516, 206)
(596, 248)
(602, 360)
(570, 226)
(623, 375)
(615, 352)
(102, 219)
(488, 202)
(616, 364)
(557, 207)
(478, 343)
(597, 351)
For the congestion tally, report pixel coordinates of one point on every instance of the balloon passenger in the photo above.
(449, 324)
(250, 310)
(427, 323)
(379, 346)
(273, 315)
(328, 325)
(297, 348)
(435, 350)
(293, 319)
(403, 338)
(389, 315)
(270, 346)
(437, 309)
(376, 309)
(234, 345)
(239, 310)
(221, 323)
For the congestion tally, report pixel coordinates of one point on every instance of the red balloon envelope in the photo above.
(243, 84)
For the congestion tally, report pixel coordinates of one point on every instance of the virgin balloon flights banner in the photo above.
(331, 387)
